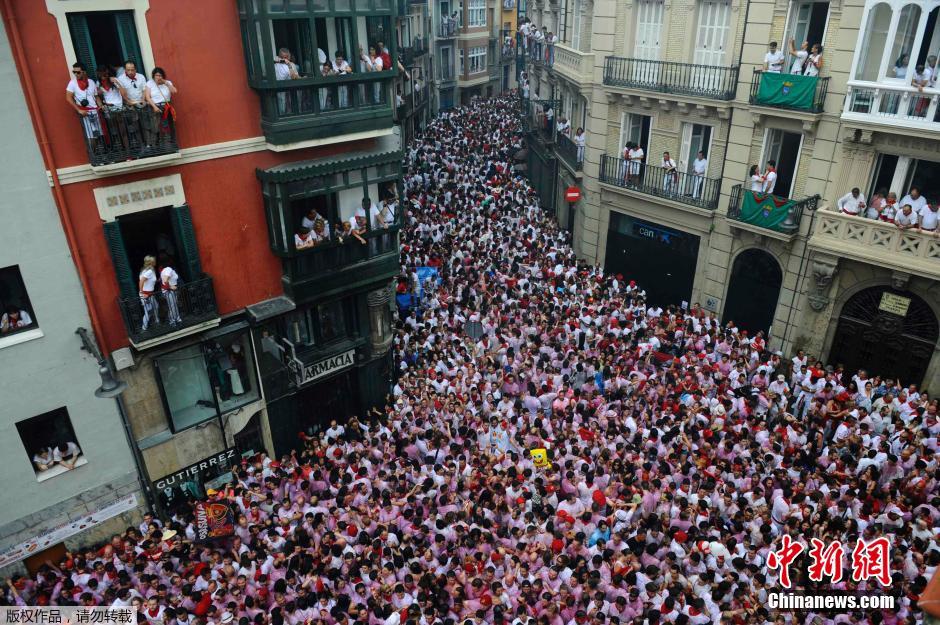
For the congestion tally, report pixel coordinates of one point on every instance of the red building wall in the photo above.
(199, 45)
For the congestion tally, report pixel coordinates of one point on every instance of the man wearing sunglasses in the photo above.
(82, 95)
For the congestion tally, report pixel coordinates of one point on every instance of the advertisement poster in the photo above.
(213, 520)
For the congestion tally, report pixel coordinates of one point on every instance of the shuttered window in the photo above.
(105, 38)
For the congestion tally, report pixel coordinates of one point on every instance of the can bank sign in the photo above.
(308, 373)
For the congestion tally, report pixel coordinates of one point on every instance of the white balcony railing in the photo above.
(573, 64)
(894, 105)
(876, 242)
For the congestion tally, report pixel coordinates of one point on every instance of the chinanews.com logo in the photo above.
(824, 563)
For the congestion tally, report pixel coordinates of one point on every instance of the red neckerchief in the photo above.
(82, 83)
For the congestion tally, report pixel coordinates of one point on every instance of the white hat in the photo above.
(227, 617)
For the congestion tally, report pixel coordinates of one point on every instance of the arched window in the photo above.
(873, 44)
(904, 36)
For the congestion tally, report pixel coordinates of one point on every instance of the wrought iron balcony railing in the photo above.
(710, 81)
(195, 302)
(569, 151)
(682, 187)
(130, 133)
(768, 211)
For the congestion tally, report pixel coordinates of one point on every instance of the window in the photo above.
(784, 148)
(904, 36)
(16, 314)
(477, 59)
(319, 324)
(477, 15)
(105, 38)
(636, 129)
(50, 443)
(649, 25)
(900, 173)
(206, 380)
(895, 41)
(463, 65)
(876, 37)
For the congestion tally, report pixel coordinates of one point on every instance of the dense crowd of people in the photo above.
(679, 453)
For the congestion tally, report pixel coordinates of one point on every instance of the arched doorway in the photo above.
(886, 332)
(753, 291)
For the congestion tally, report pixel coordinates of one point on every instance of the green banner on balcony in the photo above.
(764, 210)
(790, 90)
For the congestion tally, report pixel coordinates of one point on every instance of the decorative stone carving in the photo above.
(900, 280)
(823, 268)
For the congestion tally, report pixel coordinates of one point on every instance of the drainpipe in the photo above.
(19, 56)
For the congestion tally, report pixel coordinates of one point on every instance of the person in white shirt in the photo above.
(580, 140)
(930, 70)
(340, 67)
(814, 62)
(564, 126)
(770, 177)
(43, 459)
(928, 217)
(915, 199)
(284, 69)
(372, 62)
(670, 173)
(906, 218)
(635, 155)
(66, 454)
(147, 282)
(82, 95)
(773, 60)
(757, 179)
(169, 281)
(799, 56)
(15, 318)
(699, 168)
(852, 203)
(158, 93)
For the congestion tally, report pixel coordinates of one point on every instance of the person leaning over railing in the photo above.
(158, 93)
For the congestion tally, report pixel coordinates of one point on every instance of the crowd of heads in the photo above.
(679, 451)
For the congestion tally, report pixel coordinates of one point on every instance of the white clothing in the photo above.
(799, 59)
(812, 68)
(133, 87)
(24, 321)
(757, 183)
(87, 94)
(159, 94)
(150, 280)
(850, 204)
(112, 96)
(774, 61)
(700, 166)
(918, 204)
(169, 279)
(283, 69)
(905, 220)
(71, 451)
(770, 181)
(928, 218)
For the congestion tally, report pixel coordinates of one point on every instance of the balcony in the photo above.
(902, 106)
(197, 309)
(576, 66)
(877, 243)
(704, 81)
(763, 212)
(336, 266)
(294, 111)
(448, 29)
(446, 74)
(697, 191)
(570, 153)
(789, 92)
(537, 123)
(128, 135)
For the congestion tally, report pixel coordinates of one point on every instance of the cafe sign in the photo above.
(322, 368)
(894, 304)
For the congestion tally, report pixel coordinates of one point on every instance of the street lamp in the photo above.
(112, 388)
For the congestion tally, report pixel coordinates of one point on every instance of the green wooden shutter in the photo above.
(186, 242)
(122, 266)
(127, 34)
(81, 40)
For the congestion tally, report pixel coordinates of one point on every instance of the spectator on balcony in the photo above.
(580, 140)
(111, 95)
(158, 93)
(670, 174)
(852, 203)
(66, 454)
(320, 231)
(635, 158)
(311, 218)
(931, 70)
(304, 239)
(169, 283)
(815, 61)
(340, 68)
(137, 121)
(699, 170)
(551, 40)
(349, 230)
(146, 285)
(799, 56)
(915, 199)
(326, 99)
(386, 57)
(890, 208)
(14, 318)
(873, 211)
(906, 218)
(372, 62)
(928, 217)
(284, 67)
(82, 95)
(900, 66)
(368, 208)
(773, 60)
(757, 179)
(563, 126)
(43, 459)
(770, 177)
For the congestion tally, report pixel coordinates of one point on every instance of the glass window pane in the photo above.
(873, 44)
(275, 6)
(341, 5)
(297, 6)
(330, 321)
(904, 41)
(232, 371)
(186, 387)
